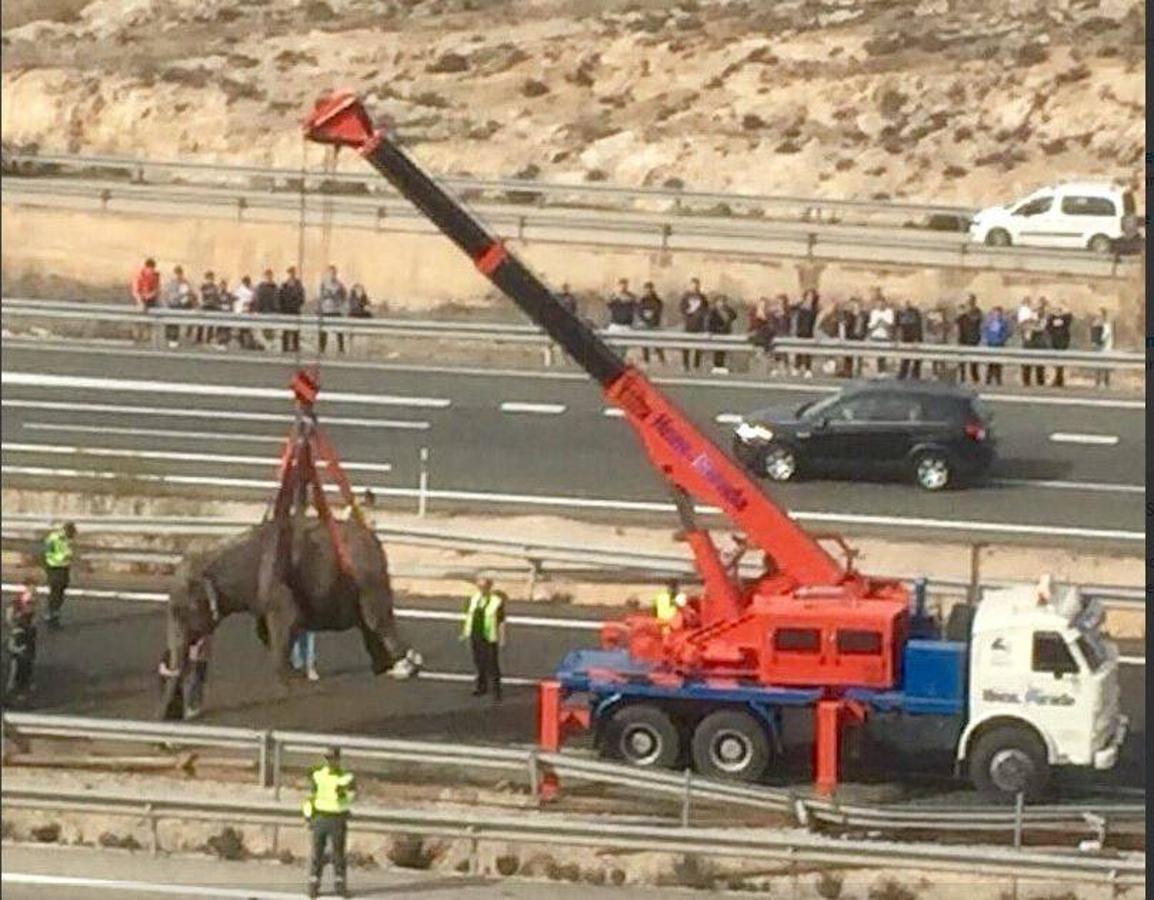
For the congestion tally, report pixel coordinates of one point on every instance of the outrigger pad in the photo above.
(339, 118)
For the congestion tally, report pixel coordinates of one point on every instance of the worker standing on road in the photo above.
(57, 569)
(484, 629)
(21, 646)
(327, 811)
(669, 602)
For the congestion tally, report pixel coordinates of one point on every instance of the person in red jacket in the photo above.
(146, 291)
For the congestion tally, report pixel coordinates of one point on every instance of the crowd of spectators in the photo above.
(1036, 323)
(286, 297)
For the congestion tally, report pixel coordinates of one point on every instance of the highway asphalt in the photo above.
(103, 663)
(1070, 468)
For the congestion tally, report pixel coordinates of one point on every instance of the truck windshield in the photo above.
(1092, 650)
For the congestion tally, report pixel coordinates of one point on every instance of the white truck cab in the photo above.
(1084, 214)
(1043, 689)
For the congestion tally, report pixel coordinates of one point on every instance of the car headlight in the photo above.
(749, 432)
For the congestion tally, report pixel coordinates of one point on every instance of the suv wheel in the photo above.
(998, 237)
(932, 470)
(1008, 761)
(1099, 243)
(779, 462)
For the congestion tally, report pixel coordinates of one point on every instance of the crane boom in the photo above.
(691, 462)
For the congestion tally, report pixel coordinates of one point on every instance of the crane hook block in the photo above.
(341, 119)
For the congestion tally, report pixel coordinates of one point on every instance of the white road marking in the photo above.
(612, 412)
(232, 392)
(649, 506)
(1132, 660)
(175, 456)
(144, 887)
(1063, 437)
(546, 409)
(727, 418)
(185, 412)
(155, 432)
(1101, 486)
(1100, 402)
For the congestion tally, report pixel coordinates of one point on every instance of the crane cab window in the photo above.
(859, 643)
(797, 640)
(1052, 655)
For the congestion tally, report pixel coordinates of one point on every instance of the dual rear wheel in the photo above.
(728, 743)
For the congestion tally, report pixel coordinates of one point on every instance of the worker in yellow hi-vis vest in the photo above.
(327, 811)
(669, 602)
(484, 628)
(57, 561)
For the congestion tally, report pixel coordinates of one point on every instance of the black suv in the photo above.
(935, 432)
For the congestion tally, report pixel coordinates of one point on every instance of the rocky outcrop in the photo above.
(938, 100)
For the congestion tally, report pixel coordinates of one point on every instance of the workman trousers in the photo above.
(486, 659)
(328, 828)
(19, 680)
(57, 584)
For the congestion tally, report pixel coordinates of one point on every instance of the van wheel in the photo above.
(730, 744)
(779, 462)
(1007, 761)
(932, 470)
(644, 736)
(1099, 243)
(998, 237)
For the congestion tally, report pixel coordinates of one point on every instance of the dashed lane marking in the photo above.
(173, 455)
(120, 886)
(727, 418)
(545, 409)
(1099, 486)
(155, 432)
(612, 412)
(206, 414)
(231, 391)
(1064, 437)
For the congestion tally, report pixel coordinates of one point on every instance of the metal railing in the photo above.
(272, 748)
(738, 238)
(537, 828)
(127, 317)
(539, 556)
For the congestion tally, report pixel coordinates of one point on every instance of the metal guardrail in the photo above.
(141, 171)
(749, 238)
(271, 747)
(513, 333)
(1118, 870)
(537, 555)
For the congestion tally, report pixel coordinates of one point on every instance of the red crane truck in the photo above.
(1029, 683)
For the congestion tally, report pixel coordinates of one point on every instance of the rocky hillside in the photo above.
(939, 100)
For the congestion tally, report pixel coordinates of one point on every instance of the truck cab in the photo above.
(1043, 689)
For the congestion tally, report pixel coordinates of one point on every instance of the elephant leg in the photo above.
(281, 625)
(382, 660)
(379, 629)
(262, 630)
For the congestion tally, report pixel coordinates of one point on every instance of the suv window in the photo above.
(1088, 206)
(1035, 207)
(939, 409)
(889, 408)
(1052, 655)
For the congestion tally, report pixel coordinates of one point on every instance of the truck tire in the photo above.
(1008, 760)
(731, 744)
(642, 735)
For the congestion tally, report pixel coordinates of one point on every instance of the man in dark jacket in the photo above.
(909, 327)
(291, 301)
(210, 302)
(567, 299)
(266, 300)
(622, 306)
(1058, 324)
(694, 310)
(969, 324)
(720, 321)
(649, 312)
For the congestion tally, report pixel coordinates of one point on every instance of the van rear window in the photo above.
(1088, 206)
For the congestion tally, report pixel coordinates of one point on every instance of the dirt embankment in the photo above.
(935, 100)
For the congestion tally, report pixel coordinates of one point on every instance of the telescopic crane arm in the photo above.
(691, 462)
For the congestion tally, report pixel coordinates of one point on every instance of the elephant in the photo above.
(306, 590)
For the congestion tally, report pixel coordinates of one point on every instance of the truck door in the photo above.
(1055, 693)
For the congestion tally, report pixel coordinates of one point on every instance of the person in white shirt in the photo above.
(880, 325)
(244, 298)
(1032, 332)
(1102, 340)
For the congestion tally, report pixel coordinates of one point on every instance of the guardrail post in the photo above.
(241, 206)
(686, 797)
(157, 334)
(547, 354)
(423, 484)
(105, 196)
(277, 748)
(534, 777)
(534, 571)
(810, 243)
(666, 234)
(138, 175)
(264, 770)
(382, 214)
(974, 590)
(1019, 808)
(153, 836)
(521, 228)
(474, 851)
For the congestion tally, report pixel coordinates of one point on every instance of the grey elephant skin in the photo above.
(306, 591)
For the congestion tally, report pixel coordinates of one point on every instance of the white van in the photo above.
(1079, 214)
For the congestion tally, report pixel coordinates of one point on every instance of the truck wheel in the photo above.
(644, 736)
(730, 744)
(1008, 761)
(998, 237)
